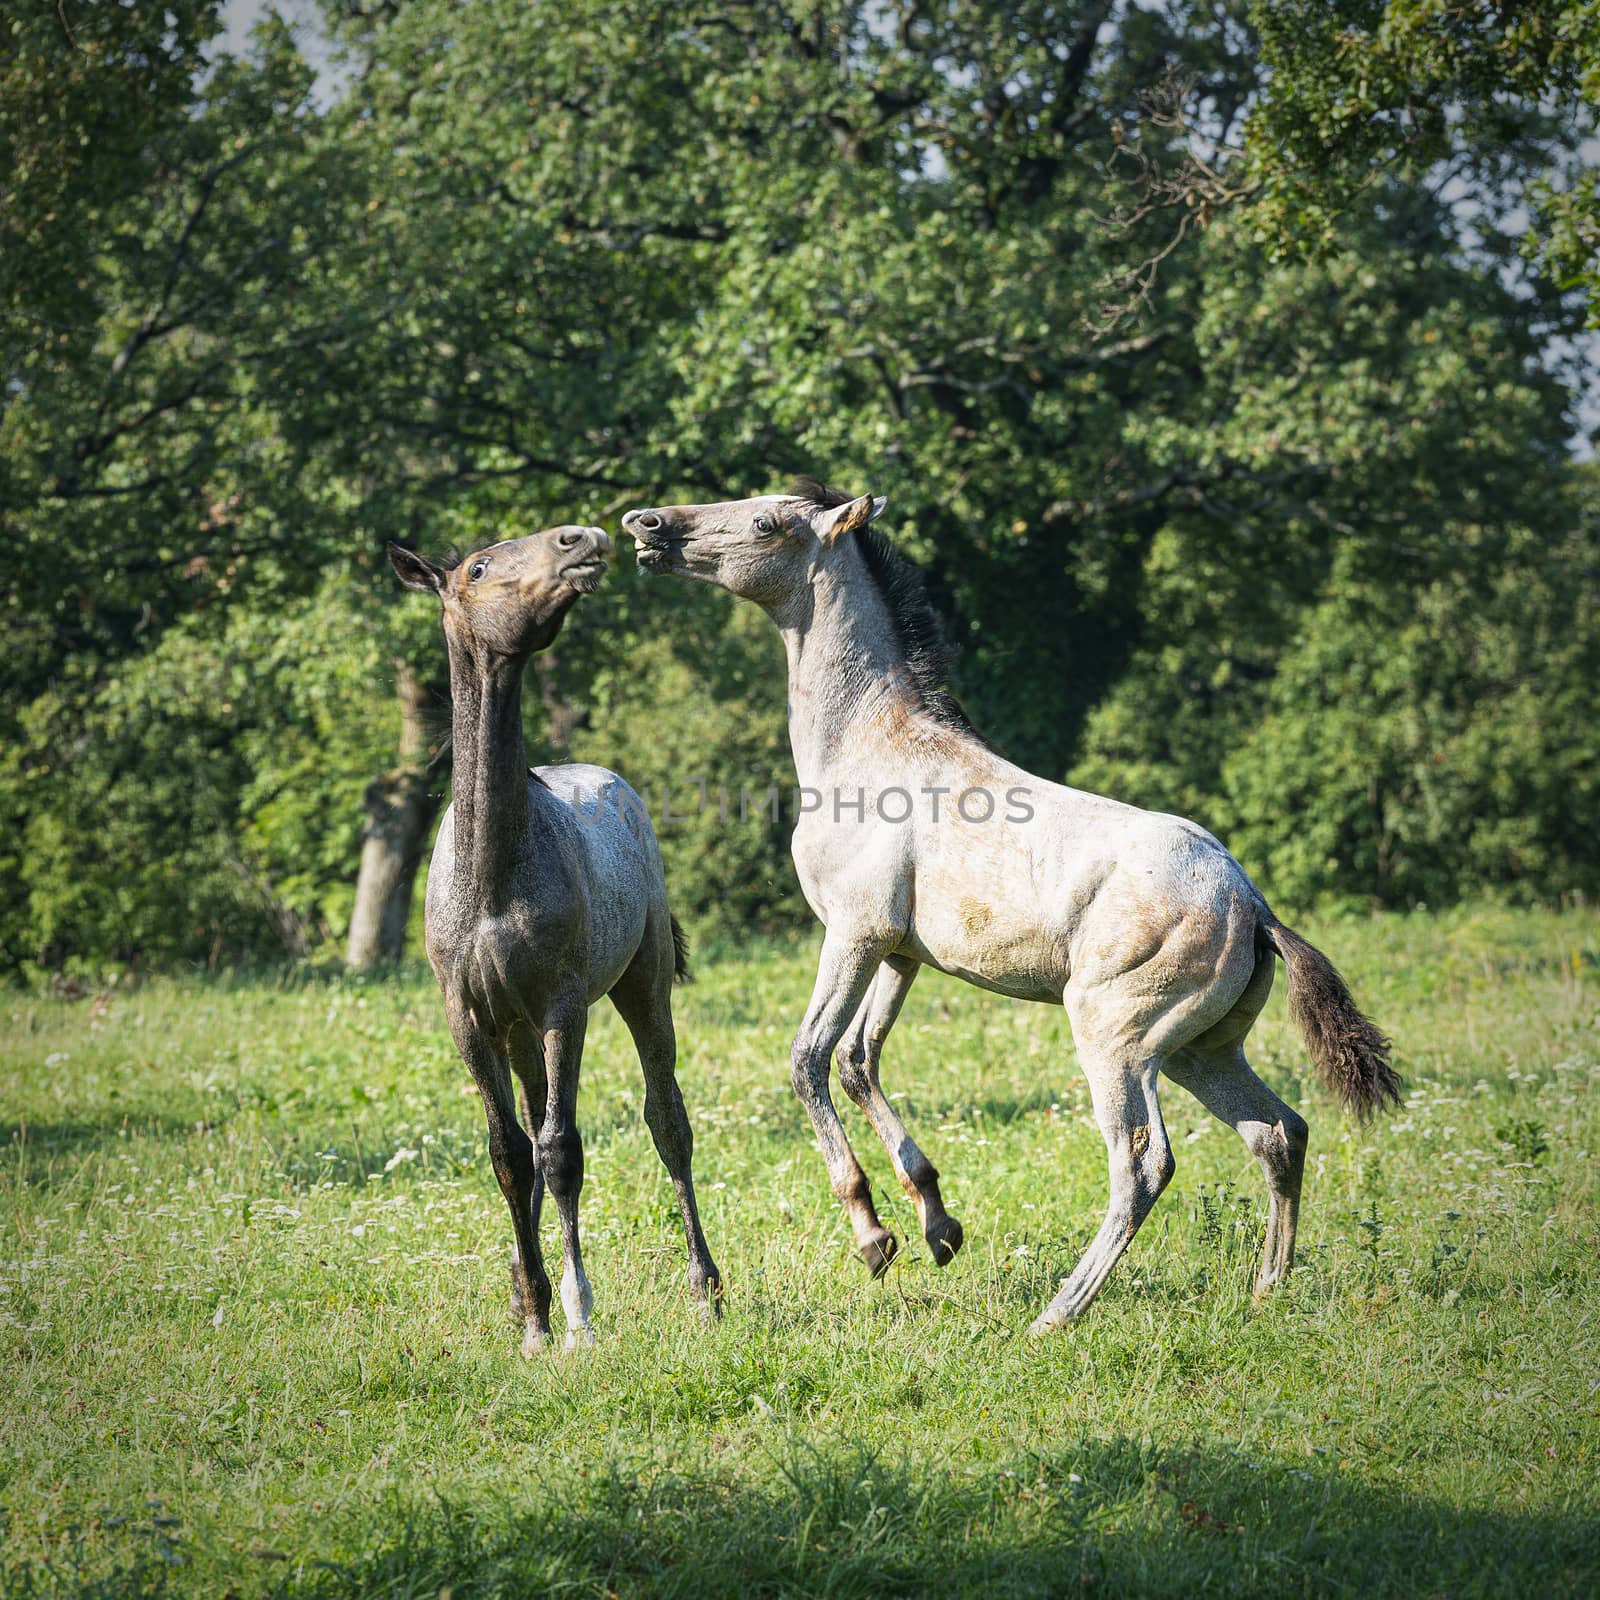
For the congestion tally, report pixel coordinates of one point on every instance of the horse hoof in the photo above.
(1051, 1320)
(879, 1252)
(944, 1239)
(706, 1287)
(534, 1340)
(579, 1339)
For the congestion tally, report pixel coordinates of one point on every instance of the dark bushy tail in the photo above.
(680, 952)
(1350, 1053)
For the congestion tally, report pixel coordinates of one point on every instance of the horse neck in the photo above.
(490, 762)
(846, 664)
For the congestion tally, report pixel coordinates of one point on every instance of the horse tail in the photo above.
(680, 951)
(1350, 1053)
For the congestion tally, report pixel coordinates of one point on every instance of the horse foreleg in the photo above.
(511, 1152)
(561, 1155)
(844, 975)
(858, 1073)
(527, 1062)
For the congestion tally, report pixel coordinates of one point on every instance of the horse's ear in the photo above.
(414, 571)
(850, 518)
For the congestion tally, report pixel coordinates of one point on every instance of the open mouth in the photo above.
(653, 555)
(657, 543)
(585, 576)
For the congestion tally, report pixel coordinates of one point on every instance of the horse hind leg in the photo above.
(644, 999)
(1139, 1162)
(858, 1055)
(1222, 1081)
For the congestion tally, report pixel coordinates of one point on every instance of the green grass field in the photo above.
(255, 1333)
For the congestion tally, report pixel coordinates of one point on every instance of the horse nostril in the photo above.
(567, 539)
(649, 521)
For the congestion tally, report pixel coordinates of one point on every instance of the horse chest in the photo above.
(853, 874)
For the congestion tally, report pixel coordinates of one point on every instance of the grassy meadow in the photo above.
(255, 1338)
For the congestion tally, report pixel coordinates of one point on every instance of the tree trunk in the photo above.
(562, 718)
(401, 805)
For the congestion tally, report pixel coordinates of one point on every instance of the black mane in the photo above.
(919, 629)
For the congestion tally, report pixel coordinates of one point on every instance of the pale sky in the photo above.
(240, 16)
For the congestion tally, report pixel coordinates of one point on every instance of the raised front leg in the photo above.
(561, 1154)
(511, 1152)
(844, 975)
(858, 1072)
(1139, 1160)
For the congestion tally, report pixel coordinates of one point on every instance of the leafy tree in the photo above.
(516, 274)
(158, 216)
(208, 806)
(1353, 658)
(162, 220)
(1435, 746)
(1501, 97)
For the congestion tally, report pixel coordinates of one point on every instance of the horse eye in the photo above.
(765, 524)
(475, 571)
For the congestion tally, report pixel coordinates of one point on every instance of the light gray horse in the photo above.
(926, 847)
(545, 892)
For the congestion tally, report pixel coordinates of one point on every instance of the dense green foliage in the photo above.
(253, 1311)
(1294, 545)
(1485, 89)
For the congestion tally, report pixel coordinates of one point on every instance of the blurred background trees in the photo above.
(1223, 383)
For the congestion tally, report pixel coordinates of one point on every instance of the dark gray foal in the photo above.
(545, 892)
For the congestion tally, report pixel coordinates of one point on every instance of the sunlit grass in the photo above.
(255, 1334)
